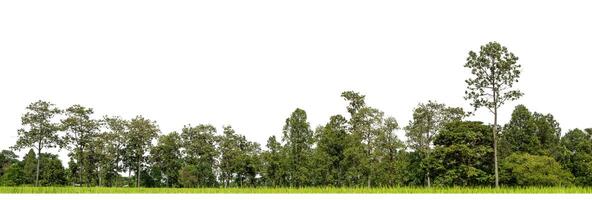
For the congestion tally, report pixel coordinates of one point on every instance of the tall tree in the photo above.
(495, 70)
(39, 130)
(330, 151)
(463, 155)
(199, 144)
(388, 149)
(298, 138)
(116, 134)
(238, 158)
(166, 158)
(81, 130)
(274, 163)
(139, 140)
(427, 121)
(364, 125)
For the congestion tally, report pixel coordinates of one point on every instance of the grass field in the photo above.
(400, 190)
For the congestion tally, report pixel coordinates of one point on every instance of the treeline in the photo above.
(360, 149)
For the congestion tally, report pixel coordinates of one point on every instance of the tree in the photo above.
(166, 158)
(578, 158)
(299, 139)
(364, 125)
(427, 121)
(81, 130)
(495, 71)
(7, 158)
(29, 167)
(52, 170)
(116, 133)
(199, 144)
(189, 176)
(535, 134)
(531, 170)
(39, 130)
(274, 163)
(330, 151)
(13, 175)
(238, 158)
(388, 149)
(462, 155)
(139, 140)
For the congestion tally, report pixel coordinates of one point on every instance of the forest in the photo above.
(361, 149)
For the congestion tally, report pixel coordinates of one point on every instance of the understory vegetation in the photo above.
(305, 190)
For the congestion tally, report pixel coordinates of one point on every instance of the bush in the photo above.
(530, 170)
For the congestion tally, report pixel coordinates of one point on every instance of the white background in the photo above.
(251, 63)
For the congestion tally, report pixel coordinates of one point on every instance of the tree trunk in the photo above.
(38, 161)
(138, 173)
(495, 146)
(428, 154)
(80, 165)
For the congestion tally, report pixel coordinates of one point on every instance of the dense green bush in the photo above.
(531, 170)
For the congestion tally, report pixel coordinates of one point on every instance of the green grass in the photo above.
(399, 190)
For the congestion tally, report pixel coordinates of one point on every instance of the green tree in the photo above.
(463, 155)
(81, 129)
(52, 170)
(7, 158)
(495, 70)
(535, 134)
(578, 158)
(115, 135)
(330, 152)
(298, 138)
(275, 161)
(29, 167)
(364, 125)
(139, 140)
(199, 144)
(167, 159)
(428, 119)
(39, 130)
(13, 175)
(238, 158)
(388, 148)
(532, 170)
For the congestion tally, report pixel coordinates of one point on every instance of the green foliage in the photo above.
(427, 121)
(298, 138)
(52, 170)
(578, 155)
(293, 190)
(535, 134)
(463, 155)
(39, 130)
(81, 131)
(201, 153)
(166, 159)
(239, 159)
(362, 151)
(29, 167)
(532, 170)
(274, 161)
(330, 152)
(7, 158)
(495, 71)
(139, 140)
(13, 175)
